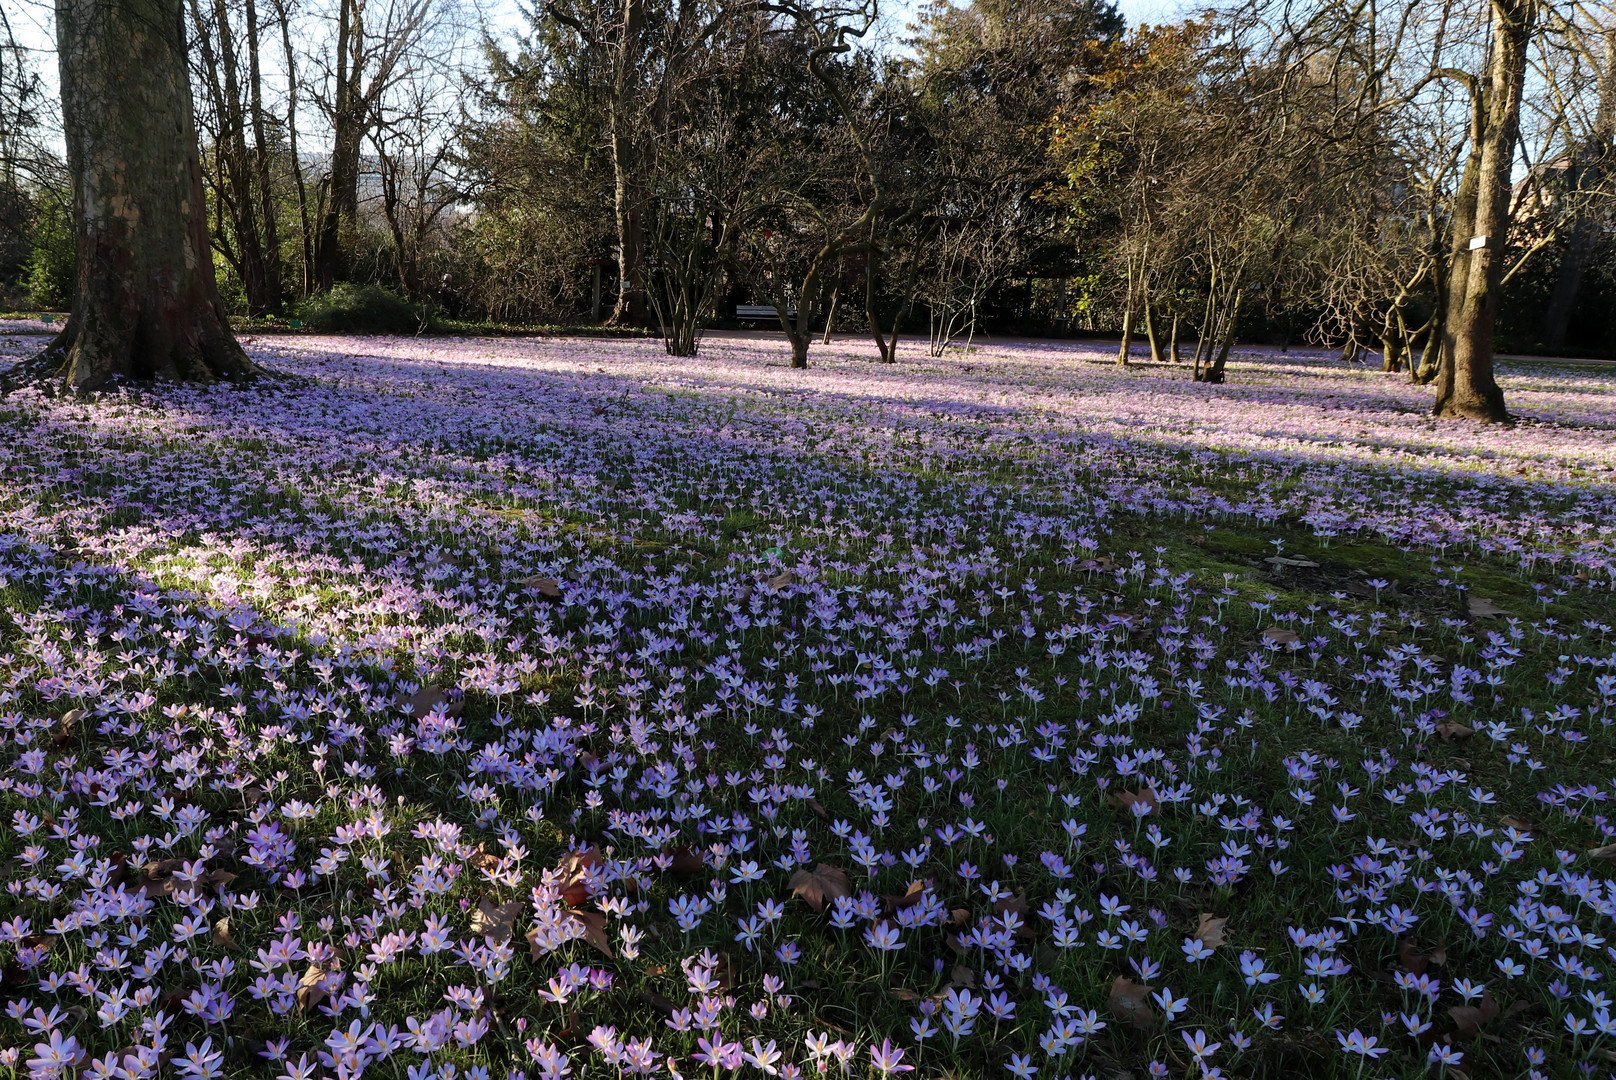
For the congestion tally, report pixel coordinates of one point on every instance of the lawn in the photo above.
(469, 708)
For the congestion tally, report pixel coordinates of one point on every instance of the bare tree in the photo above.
(239, 176)
(415, 168)
(714, 169)
(370, 51)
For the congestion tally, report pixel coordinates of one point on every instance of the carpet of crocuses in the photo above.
(472, 709)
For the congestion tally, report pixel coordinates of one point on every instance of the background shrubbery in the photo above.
(350, 308)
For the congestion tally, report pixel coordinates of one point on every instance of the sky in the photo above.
(32, 19)
(1152, 11)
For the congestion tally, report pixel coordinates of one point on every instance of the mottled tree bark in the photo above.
(1466, 388)
(146, 304)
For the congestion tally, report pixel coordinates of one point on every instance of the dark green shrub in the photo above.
(350, 308)
(51, 271)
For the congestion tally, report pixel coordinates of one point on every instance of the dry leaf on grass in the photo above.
(595, 931)
(68, 725)
(495, 922)
(1603, 854)
(911, 896)
(221, 935)
(309, 992)
(962, 977)
(159, 879)
(1483, 608)
(819, 811)
(575, 871)
(1450, 731)
(594, 928)
(819, 885)
(1278, 635)
(1130, 1003)
(424, 700)
(780, 581)
(1210, 930)
(1467, 1019)
(1415, 962)
(656, 1001)
(686, 860)
(726, 972)
(1127, 800)
(544, 586)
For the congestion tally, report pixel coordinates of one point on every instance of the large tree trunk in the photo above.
(342, 205)
(1126, 345)
(146, 304)
(1213, 372)
(626, 163)
(306, 232)
(266, 191)
(1150, 332)
(1466, 388)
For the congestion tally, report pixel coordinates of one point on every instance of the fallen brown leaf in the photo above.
(424, 700)
(158, 886)
(575, 869)
(221, 935)
(1410, 959)
(687, 860)
(309, 992)
(68, 725)
(1278, 635)
(821, 884)
(1126, 800)
(1483, 608)
(594, 924)
(1467, 1019)
(1130, 1003)
(496, 922)
(1450, 731)
(544, 586)
(656, 1001)
(1603, 854)
(911, 896)
(726, 972)
(1210, 930)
